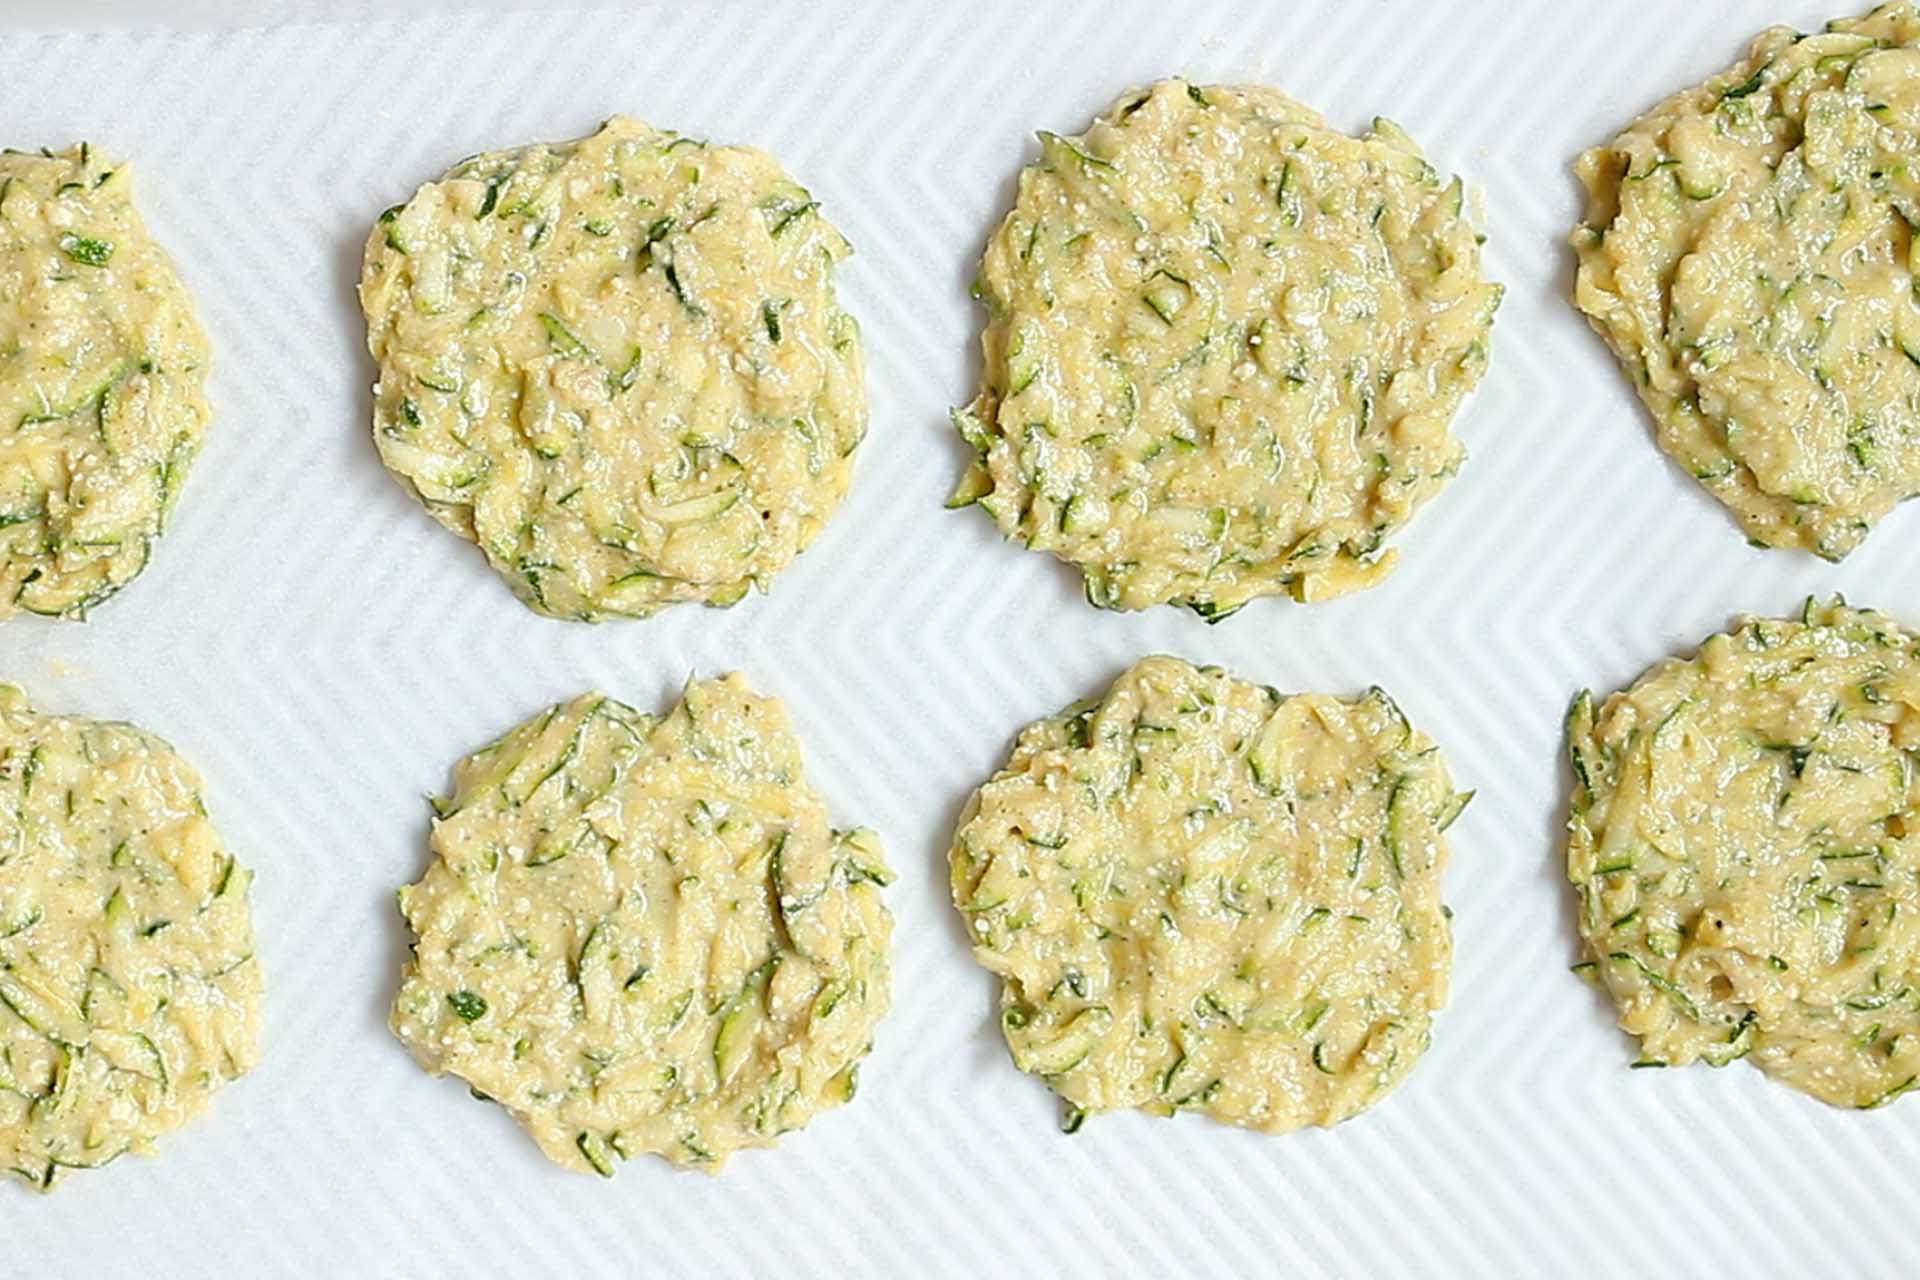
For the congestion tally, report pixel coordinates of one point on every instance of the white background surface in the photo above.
(323, 651)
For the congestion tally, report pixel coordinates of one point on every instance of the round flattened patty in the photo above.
(618, 365)
(102, 366)
(1204, 894)
(129, 990)
(1748, 253)
(1745, 845)
(639, 933)
(1223, 347)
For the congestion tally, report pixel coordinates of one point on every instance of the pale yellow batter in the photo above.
(1224, 344)
(1748, 253)
(129, 990)
(1745, 846)
(618, 365)
(101, 370)
(640, 933)
(1202, 894)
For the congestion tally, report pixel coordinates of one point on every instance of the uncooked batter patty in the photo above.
(618, 365)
